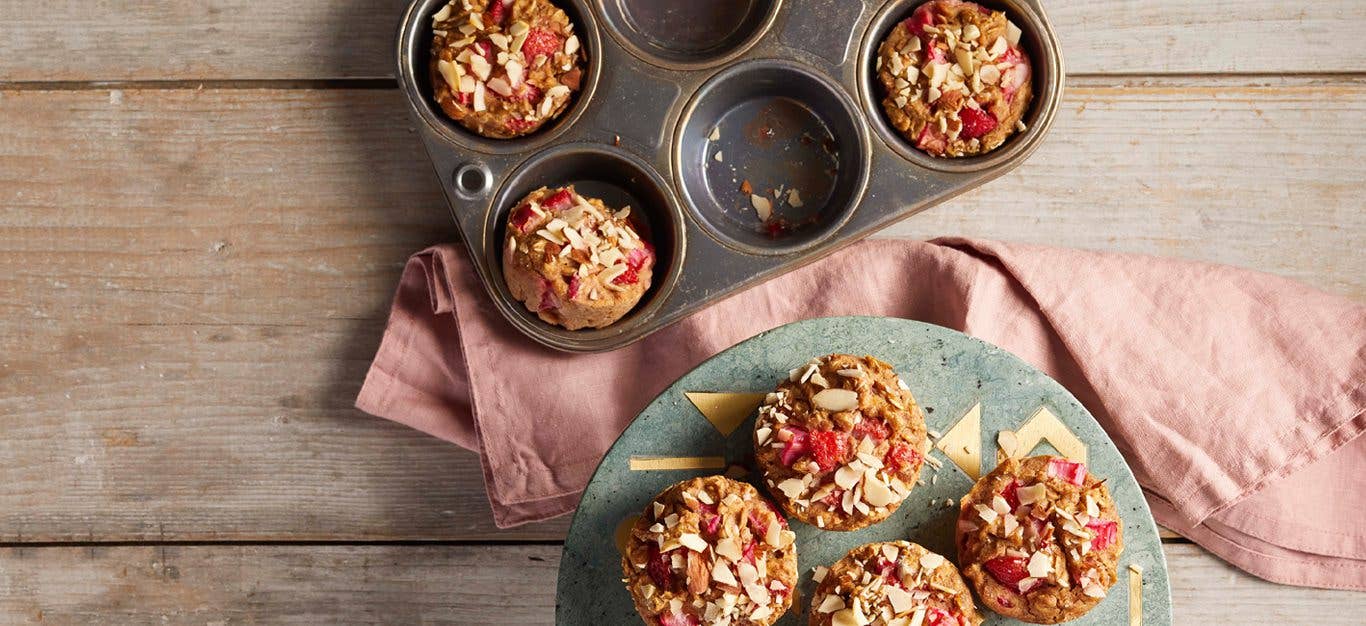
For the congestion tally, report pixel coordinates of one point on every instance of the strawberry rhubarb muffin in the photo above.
(840, 442)
(710, 551)
(503, 68)
(954, 78)
(573, 261)
(1040, 539)
(895, 583)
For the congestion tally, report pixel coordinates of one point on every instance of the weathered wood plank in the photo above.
(70, 40)
(453, 584)
(192, 282)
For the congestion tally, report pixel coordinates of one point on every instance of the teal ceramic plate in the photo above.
(959, 381)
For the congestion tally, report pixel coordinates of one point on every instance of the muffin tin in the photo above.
(791, 87)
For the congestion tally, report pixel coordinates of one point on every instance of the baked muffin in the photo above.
(710, 551)
(954, 78)
(503, 68)
(1040, 539)
(840, 442)
(896, 583)
(573, 261)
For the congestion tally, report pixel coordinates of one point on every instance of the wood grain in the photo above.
(192, 283)
(72, 40)
(453, 584)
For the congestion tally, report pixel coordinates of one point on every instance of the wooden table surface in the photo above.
(204, 208)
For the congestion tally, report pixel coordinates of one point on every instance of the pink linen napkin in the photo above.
(1237, 397)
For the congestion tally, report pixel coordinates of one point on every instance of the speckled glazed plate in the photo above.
(971, 391)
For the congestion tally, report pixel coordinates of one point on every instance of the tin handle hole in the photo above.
(472, 180)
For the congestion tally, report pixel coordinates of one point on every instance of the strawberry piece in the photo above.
(527, 92)
(936, 54)
(931, 140)
(519, 125)
(871, 427)
(573, 286)
(522, 217)
(677, 619)
(1008, 570)
(901, 456)
(939, 617)
(659, 567)
(1106, 531)
(711, 522)
(635, 260)
(1069, 471)
(465, 99)
(887, 570)
(976, 123)
(757, 523)
(748, 553)
(1012, 494)
(549, 301)
(485, 48)
(829, 448)
(1015, 73)
(498, 11)
(916, 23)
(540, 41)
(558, 201)
(796, 446)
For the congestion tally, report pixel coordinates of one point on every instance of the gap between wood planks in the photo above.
(1189, 78)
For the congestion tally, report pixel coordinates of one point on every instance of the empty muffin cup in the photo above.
(771, 157)
(688, 35)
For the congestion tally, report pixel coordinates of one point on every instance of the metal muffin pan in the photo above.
(791, 84)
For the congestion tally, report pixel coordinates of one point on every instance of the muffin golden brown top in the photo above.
(1040, 539)
(955, 79)
(711, 550)
(503, 68)
(895, 583)
(840, 442)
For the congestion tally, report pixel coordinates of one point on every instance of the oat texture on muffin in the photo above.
(840, 442)
(710, 551)
(894, 583)
(504, 68)
(955, 79)
(1040, 539)
(573, 260)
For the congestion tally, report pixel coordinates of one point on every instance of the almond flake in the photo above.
(444, 14)
(851, 373)
(1032, 494)
(1013, 33)
(718, 156)
(794, 198)
(931, 561)
(819, 573)
(516, 73)
(1094, 590)
(715, 134)
(1040, 565)
(693, 541)
(500, 87)
(792, 488)
(571, 45)
(450, 72)
(480, 66)
(831, 603)
(763, 206)
(876, 493)
(658, 509)
(900, 598)
(1000, 505)
(985, 513)
(836, 400)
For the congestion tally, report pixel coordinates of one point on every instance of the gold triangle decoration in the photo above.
(1135, 595)
(1042, 426)
(963, 442)
(725, 410)
(665, 463)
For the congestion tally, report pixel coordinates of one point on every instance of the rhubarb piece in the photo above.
(1069, 471)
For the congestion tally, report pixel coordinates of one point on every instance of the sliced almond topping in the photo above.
(571, 45)
(1032, 494)
(762, 434)
(931, 561)
(658, 509)
(500, 87)
(450, 72)
(971, 32)
(876, 493)
(836, 400)
(773, 535)
(900, 598)
(763, 206)
(831, 603)
(792, 488)
(985, 513)
(721, 573)
(1000, 505)
(730, 548)
(444, 14)
(516, 73)
(1094, 590)
(693, 541)
(1013, 33)
(715, 134)
(1040, 565)
(467, 84)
